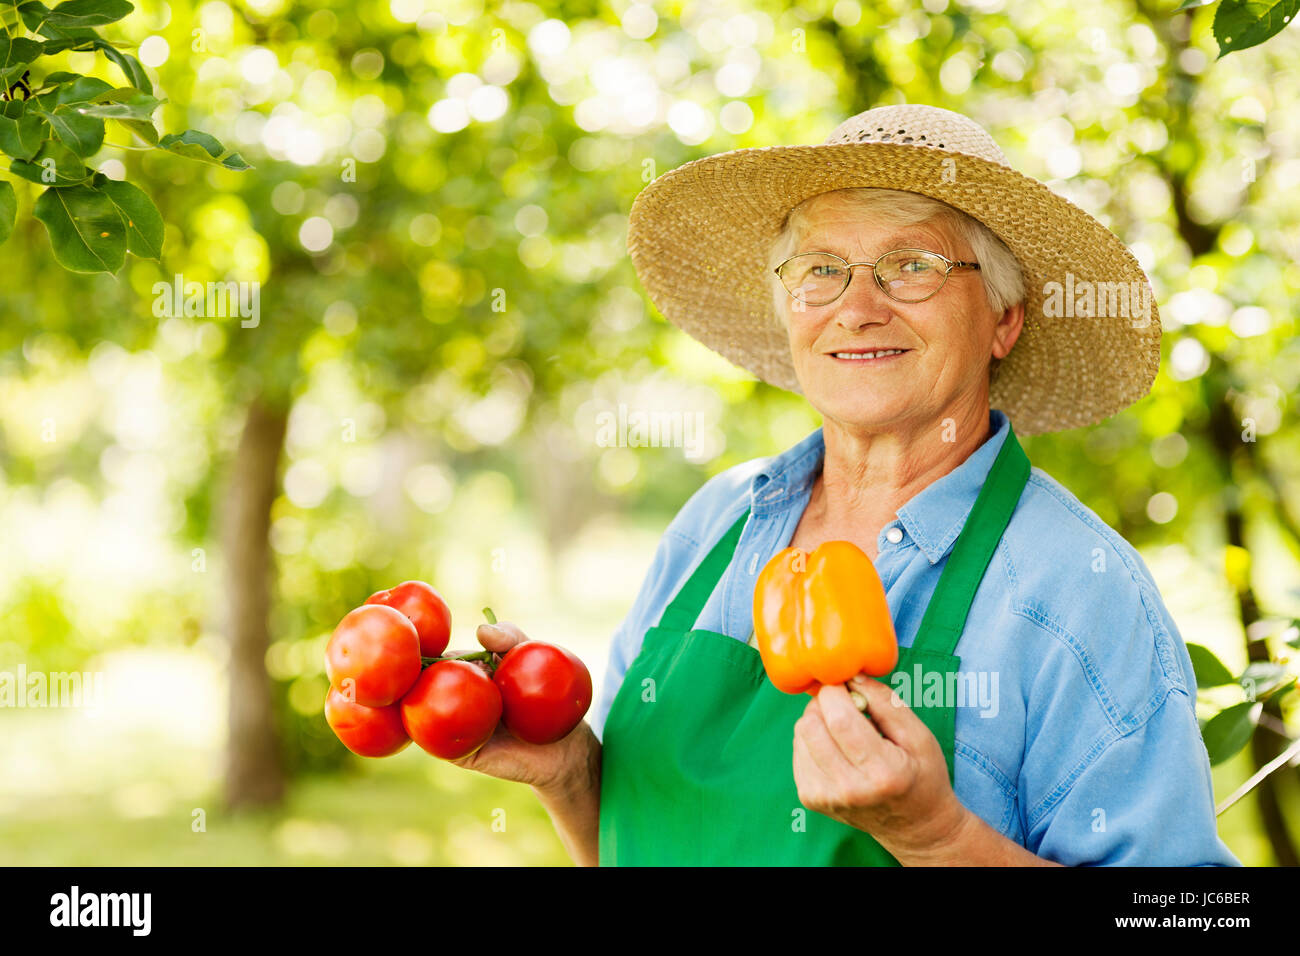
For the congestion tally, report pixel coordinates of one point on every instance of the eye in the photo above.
(917, 266)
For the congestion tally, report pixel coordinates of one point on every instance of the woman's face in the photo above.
(949, 338)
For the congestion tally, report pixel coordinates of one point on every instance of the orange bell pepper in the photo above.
(821, 617)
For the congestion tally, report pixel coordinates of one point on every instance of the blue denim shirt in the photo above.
(1085, 748)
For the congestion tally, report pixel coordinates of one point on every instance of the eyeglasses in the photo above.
(908, 275)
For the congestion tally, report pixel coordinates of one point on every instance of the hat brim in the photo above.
(699, 237)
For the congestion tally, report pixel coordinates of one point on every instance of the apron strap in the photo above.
(945, 617)
(685, 608)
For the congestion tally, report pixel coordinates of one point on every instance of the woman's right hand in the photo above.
(550, 767)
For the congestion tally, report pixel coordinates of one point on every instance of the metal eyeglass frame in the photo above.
(848, 275)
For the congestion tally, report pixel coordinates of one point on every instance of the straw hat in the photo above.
(700, 235)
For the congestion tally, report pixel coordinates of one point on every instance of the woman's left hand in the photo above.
(888, 778)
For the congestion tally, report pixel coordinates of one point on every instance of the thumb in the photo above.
(500, 637)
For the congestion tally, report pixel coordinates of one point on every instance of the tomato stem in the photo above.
(487, 657)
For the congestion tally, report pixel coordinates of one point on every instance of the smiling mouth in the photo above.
(865, 357)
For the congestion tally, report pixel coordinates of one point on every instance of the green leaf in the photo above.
(86, 230)
(1295, 641)
(129, 65)
(138, 101)
(53, 165)
(195, 144)
(69, 43)
(144, 224)
(1261, 678)
(84, 135)
(1209, 670)
(8, 209)
(54, 79)
(33, 14)
(83, 89)
(15, 55)
(68, 33)
(1241, 24)
(36, 17)
(21, 132)
(1229, 730)
(88, 13)
(1188, 4)
(124, 103)
(146, 131)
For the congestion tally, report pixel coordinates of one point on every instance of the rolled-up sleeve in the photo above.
(1145, 799)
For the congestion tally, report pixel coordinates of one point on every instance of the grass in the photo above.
(413, 811)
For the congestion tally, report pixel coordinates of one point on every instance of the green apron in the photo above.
(698, 747)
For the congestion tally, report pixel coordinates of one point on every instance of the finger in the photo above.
(821, 745)
(810, 779)
(891, 716)
(499, 637)
(852, 732)
(490, 751)
(807, 774)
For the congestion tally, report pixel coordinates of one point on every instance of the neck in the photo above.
(868, 475)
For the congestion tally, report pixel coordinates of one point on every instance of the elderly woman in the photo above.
(901, 277)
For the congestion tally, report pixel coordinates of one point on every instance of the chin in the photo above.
(860, 409)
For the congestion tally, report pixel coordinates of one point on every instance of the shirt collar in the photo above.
(934, 516)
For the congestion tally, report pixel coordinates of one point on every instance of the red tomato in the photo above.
(379, 650)
(367, 731)
(426, 609)
(452, 710)
(545, 691)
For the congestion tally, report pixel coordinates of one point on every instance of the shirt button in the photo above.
(894, 535)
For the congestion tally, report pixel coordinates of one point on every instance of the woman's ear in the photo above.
(1008, 330)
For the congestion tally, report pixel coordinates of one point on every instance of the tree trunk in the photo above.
(254, 766)
(563, 491)
(1264, 746)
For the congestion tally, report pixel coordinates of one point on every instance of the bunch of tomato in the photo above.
(391, 683)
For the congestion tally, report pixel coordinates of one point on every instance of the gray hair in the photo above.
(1004, 282)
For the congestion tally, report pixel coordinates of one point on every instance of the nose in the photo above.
(863, 302)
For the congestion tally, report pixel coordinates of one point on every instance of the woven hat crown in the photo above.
(916, 125)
